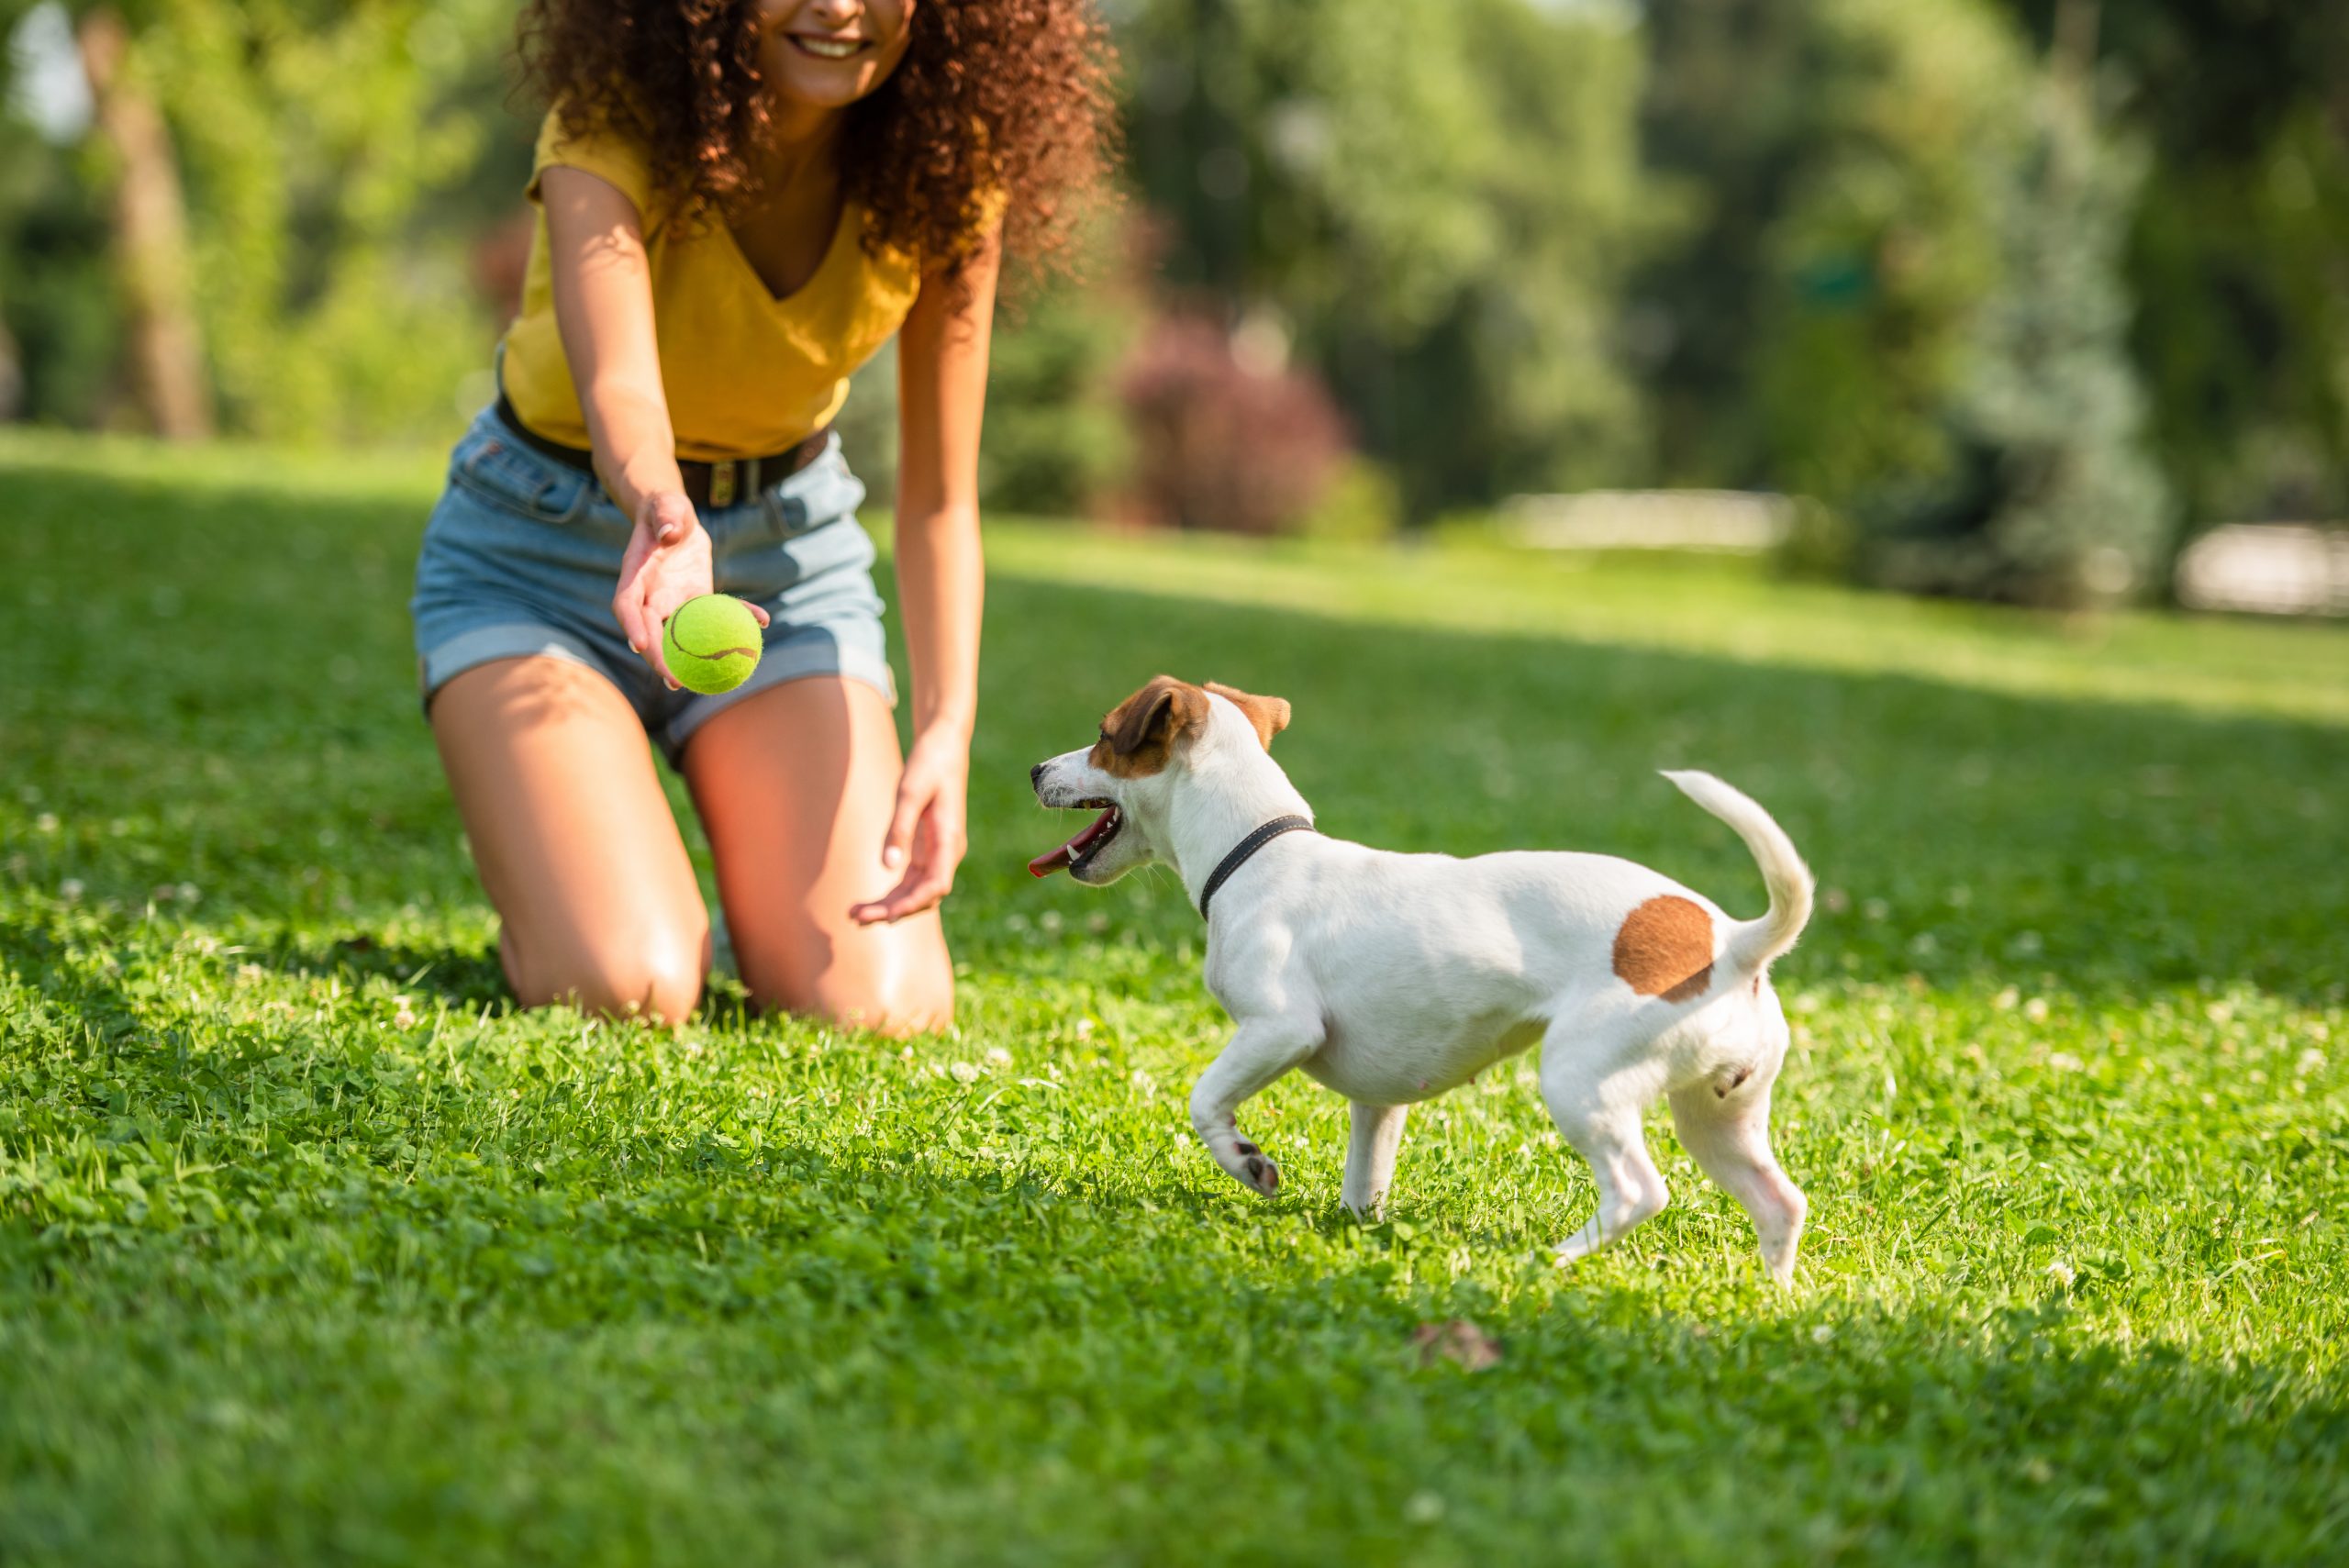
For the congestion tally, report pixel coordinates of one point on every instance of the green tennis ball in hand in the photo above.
(712, 644)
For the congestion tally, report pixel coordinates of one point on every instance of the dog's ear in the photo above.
(1269, 715)
(1140, 733)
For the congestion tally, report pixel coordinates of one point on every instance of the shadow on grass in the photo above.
(469, 979)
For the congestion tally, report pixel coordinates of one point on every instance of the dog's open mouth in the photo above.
(1097, 832)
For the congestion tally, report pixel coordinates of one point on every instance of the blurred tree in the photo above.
(1055, 443)
(1728, 118)
(56, 288)
(300, 283)
(1525, 383)
(1925, 316)
(150, 249)
(1885, 246)
(1436, 201)
(312, 131)
(2054, 499)
(2239, 250)
(12, 370)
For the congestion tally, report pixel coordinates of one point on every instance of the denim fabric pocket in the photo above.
(509, 475)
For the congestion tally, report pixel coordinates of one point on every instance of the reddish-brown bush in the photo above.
(1219, 445)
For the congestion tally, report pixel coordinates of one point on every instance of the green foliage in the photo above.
(2243, 324)
(56, 293)
(311, 1249)
(311, 133)
(1945, 357)
(1054, 443)
(2241, 308)
(1790, 355)
(1443, 201)
(1362, 505)
(2055, 502)
(1887, 247)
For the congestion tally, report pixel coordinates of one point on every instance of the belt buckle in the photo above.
(721, 483)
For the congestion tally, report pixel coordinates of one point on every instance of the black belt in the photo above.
(707, 483)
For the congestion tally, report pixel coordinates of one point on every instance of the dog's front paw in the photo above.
(1255, 1169)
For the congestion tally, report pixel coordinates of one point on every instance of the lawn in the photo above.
(312, 1249)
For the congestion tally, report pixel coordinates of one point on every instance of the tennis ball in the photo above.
(712, 644)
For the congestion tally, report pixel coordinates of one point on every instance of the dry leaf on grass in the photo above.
(1458, 1341)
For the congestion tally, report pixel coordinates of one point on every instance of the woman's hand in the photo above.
(667, 562)
(925, 830)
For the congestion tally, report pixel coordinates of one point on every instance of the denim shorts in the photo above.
(523, 553)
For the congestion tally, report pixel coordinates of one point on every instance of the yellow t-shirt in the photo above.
(747, 374)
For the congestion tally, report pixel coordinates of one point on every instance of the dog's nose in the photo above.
(1036, 774)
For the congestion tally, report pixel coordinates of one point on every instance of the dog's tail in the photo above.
(1754, 944)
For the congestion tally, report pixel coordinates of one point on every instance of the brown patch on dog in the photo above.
(1665, 949)
(1140, 733)
(1269, 715)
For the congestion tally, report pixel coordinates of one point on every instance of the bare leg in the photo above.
(1370, 1157)
(574, 838)
(1261, 1050)
(795, 786)
(1730, 1138)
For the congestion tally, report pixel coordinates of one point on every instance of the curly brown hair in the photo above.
(1008, 96)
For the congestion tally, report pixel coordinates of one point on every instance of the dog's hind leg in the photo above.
(1728, 1133)
(1370, 1157)
(1598, 1112)
(1261, 1050)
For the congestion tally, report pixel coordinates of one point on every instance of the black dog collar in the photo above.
(1247, 847)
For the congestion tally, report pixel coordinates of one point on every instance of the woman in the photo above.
(741, 201)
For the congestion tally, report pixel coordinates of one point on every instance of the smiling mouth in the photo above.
(1086, 845)
(828, 48)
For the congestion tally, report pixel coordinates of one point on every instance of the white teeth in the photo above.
(830, 48)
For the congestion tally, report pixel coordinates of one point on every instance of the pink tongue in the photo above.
(1045, 864)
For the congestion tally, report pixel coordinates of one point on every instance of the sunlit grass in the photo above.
(312, 1249)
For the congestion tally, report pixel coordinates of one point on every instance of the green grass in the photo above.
(312, 1249)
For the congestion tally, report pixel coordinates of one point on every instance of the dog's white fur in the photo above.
(1393, 977)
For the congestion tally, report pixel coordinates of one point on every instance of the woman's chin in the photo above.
(811, 83)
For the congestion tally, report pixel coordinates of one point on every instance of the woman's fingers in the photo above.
(661, 570)
(926, 881)
(660, 658)
(924, 888)
(913, 798)
(668, 516)
(627, 598)
(628, 608)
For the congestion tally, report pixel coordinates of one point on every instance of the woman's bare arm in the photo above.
(602, 306)
(941, 397)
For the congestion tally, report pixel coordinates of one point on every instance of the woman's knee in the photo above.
(656, 975)
(909, 997)
(896, 1011)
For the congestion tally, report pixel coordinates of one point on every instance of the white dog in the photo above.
(1391, 977)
